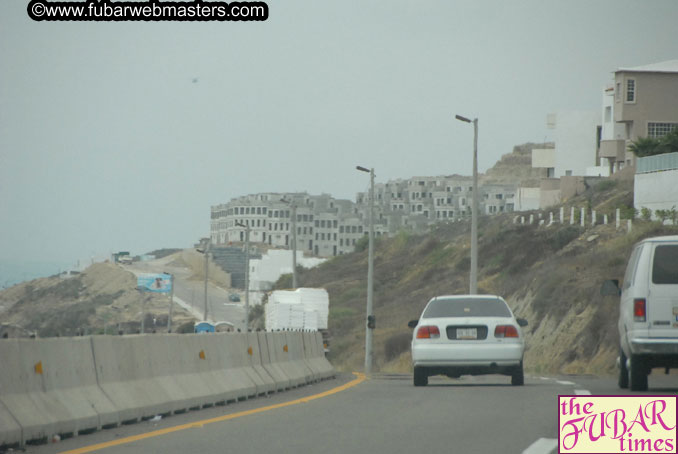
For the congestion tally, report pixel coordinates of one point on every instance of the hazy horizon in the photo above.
(120, 136)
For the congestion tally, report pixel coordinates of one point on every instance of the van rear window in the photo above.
(665, 265)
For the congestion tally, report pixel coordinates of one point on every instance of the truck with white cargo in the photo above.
(300, 309)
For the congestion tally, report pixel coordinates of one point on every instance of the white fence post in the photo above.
(593, 217)
(583, 217)
(605, 219)
(628, 225)
(618, 221)
(562, 215)
(571, 215)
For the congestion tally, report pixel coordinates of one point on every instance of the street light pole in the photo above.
(247, 273)
(207, 251)
(370, 321)
(171, 305)
(293, 206)
(474, 209)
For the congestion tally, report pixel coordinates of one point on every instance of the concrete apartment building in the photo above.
(643, 102)
(327, 227)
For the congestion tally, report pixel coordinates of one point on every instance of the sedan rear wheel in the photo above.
(420, 377)
(517, 377)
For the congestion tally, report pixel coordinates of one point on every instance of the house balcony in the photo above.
(615, 149)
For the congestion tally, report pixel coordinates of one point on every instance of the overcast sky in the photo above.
(107, 143)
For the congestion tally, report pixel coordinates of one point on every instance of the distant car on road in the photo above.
(648, 311)
(234, 297)
(467, 335)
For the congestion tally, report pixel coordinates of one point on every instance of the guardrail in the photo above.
(657, 163)
(71, 386)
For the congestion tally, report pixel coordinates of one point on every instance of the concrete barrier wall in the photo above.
(73, 385)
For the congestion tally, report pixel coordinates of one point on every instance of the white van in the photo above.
(648, 311)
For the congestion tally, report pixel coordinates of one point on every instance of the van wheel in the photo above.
(623, 381)
(517, 377)
(638, 374)
(420, 376)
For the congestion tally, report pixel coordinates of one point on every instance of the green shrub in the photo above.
(606, 185)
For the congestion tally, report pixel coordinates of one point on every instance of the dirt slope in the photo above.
(549, 275)
(102, 298)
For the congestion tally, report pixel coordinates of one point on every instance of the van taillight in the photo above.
(639, 310)
(505, 331)
(428, 332)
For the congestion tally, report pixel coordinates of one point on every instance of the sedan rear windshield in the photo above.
(665, 265)
(472, 307)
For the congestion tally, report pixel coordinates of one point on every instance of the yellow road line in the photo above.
(156, 433)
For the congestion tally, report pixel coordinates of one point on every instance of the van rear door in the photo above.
(662, 303)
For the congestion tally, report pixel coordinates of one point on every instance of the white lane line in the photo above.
(582, 392)
(566, 383)
(542, 446)
(544, 378)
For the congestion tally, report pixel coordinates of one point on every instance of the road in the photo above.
(191, 293)
(381, 415)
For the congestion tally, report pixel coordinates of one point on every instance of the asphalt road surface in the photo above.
(384, 414)
(191, 293)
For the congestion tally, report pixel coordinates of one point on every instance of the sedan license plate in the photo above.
(467, 333)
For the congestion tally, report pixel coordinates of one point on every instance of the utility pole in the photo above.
(247, 273)
(294, 245)
(171, 305)
(293, 207)
(207, 253)
(370, 321)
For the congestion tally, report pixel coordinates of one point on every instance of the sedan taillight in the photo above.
(505, 331)
(428, 332)
(639, 310)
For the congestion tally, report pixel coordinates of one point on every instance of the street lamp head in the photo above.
(362, 169)
(460, 118)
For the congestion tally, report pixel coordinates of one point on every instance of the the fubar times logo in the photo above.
(617, 424)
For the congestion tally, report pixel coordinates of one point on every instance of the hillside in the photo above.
(549, 275)
(516, 167)
(101, 299)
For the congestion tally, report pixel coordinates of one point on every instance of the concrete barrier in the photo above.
(282, 381)
(255, 361)
(315, 355)
(72, 385)
(51, 387)
(279, 351)
(295, 344)
(10, 430)
(232, 380)
(125, 376)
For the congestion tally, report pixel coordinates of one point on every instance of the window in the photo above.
(630, 90)
(657, 130)
(443, 307)
(631, 267)
(665, 265)
(608, 114)
(617, 92)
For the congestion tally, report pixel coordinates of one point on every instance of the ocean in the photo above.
(14, 272)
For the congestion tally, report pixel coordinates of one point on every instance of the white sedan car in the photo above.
(467, 335)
